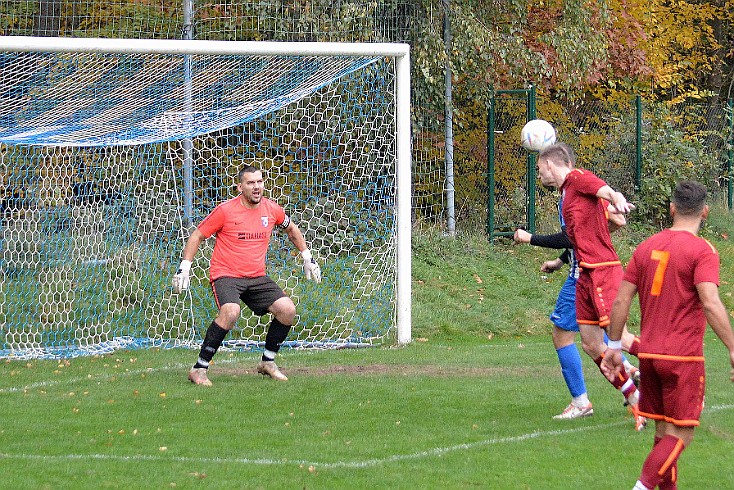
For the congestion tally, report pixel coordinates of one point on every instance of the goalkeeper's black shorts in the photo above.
(257, 293)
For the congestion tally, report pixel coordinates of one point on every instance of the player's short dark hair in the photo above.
(689, 197)
(247, 169)
(559, 152)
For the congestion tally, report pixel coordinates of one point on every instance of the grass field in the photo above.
(468, 404)
(429, 415)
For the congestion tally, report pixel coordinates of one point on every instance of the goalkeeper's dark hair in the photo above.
(247, 169)
(559, 152)
(689, 197)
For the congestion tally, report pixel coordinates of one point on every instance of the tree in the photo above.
(682, 46)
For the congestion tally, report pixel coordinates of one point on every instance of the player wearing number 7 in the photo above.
(676, 277)
(243, 226)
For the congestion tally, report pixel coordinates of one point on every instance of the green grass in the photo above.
(428, 415)
(468, 404)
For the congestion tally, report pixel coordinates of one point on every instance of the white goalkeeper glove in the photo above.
(181, 280)
(311, 267)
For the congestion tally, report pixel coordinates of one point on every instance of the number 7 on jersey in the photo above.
(661, 257)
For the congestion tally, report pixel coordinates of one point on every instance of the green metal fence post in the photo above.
(531, 161)
(490, 169)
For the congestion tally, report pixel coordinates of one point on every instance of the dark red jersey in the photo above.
(585, 216)
(666, 269)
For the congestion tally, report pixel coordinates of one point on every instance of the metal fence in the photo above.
(587, 124)
(629, 144)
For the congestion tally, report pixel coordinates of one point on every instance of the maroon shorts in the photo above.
(672, 390)
(595, 293)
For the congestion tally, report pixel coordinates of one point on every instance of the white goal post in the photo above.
(111, 150)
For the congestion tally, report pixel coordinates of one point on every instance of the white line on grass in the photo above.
(437, 451)
(488, 442)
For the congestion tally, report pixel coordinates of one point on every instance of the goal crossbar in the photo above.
(192, 46)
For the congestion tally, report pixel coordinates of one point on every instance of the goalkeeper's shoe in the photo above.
(198, 377)
(574, 412)
(268, 368)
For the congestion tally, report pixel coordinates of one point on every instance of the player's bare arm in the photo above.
(616, 199)
(611, 365)
(192, 245)
(616, 220)
(296, 237)
(522, 236)
(181, 279)
(551, 265)
(310, 267)
(717, 317)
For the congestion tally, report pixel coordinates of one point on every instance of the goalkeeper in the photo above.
(243, 226)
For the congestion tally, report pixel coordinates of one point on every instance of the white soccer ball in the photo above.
(537, 134)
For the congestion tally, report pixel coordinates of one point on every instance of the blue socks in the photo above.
(573, 373)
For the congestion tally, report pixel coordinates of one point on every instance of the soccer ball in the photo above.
(537, 134)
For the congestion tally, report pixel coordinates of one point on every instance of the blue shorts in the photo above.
(564, 315)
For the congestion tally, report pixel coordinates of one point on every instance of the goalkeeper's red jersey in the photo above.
(243, 236)
(666, 269)
(585, 216)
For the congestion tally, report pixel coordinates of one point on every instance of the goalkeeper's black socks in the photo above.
(277, 333)
(212, 340)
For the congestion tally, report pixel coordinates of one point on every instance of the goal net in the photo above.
(112, 151)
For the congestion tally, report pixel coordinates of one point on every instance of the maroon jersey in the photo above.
(243, 235)
(585, 216)
(666, 269)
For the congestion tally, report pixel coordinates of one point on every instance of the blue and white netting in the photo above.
(109, 100)
(108, 160)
